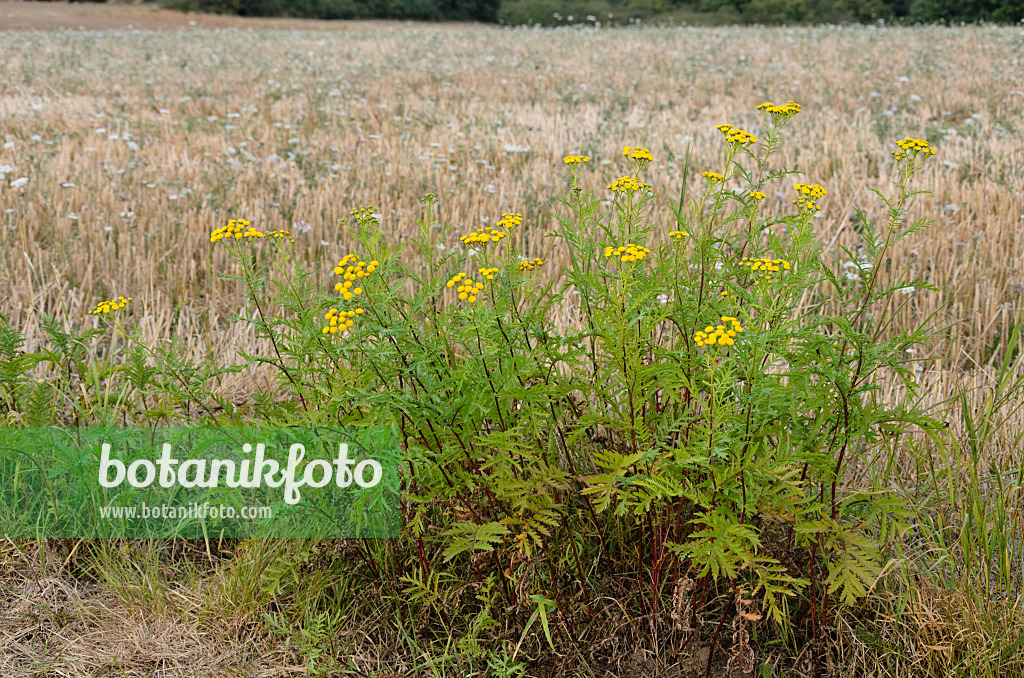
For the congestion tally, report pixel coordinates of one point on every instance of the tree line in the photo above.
(556, 12)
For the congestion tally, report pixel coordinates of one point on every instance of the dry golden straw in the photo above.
(136, 145)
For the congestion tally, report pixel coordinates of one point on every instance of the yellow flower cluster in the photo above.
(808, 198)
(637, 153)
(779, 111)
(340, 321)
(713, 176)
(510, 220)
(677, 235)
(488, 272)
(812, 190)
(764, 267)
(530, 264)
(236, 230)
(280, 235)
(484, 235)
(467, 289)
(757, 195)
(352, 269)
(911, 147)
(105, 307)
(362, 213)
(627, 254)
(575, 159)
(624, 184)
(735, 135)
(720, 334)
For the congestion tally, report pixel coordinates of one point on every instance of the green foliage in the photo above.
(468, 536)
(1002, 11)
(771, 12)
(14, 366)
(565, 12)
(430, 10)
(617, 12)
(767, 12)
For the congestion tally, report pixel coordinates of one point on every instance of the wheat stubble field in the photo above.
(121, 149)
(136, 144)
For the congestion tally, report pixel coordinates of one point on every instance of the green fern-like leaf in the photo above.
(468, 536)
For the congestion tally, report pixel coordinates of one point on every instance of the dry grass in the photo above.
(60, 624)
(186, 129)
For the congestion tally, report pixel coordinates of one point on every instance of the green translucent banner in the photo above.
(199, 482)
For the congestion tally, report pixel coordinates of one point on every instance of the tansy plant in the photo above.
(671, 412)
(693, 408)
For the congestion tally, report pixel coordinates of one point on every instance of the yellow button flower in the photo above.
(627, 184)
(466, 289)
(912, 148)
(808, 194)
(779, 111)
(510, 220)
(367, 213)
(340, 321)
(236, 229)
(626, 254)
(736, 136)
(764, 268)
(637, 153)
(722, 335)
(484, 235)
(351, 269)
(108, 307)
